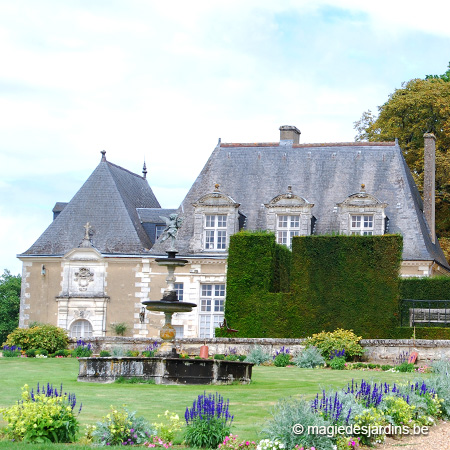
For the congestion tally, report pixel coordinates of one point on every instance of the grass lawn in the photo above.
(250, 404)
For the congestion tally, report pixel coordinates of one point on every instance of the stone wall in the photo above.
(377, 350)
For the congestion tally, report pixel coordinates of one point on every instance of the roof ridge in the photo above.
(322, 144)
(125, 170)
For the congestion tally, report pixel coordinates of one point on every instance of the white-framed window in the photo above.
(212, 304)
(81, 329)
(287, 227)
(179, 289)
(361, 224)
(179, 330)
(215, 231)
(159, 230)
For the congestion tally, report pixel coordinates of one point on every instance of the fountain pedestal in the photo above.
(169, 304)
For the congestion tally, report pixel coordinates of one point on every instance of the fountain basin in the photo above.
(164, 370)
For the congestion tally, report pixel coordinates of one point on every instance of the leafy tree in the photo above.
(418, 107)
(9, 303)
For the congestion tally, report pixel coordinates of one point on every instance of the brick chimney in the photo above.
(429, 182)
(290, 133)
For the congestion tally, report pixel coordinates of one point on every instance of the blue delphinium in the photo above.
(208, 421)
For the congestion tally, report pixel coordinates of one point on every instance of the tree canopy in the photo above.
(420, 106)
(9, 303)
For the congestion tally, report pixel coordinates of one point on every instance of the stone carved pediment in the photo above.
(289, 200)
(215, 199)
(362, 200)
(83, 254)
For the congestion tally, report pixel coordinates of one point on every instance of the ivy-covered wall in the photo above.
(331, 282)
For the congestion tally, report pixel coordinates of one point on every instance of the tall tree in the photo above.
(9, 303)
(418, 107)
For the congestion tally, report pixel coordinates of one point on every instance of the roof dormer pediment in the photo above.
(362, 200)
(216, 199)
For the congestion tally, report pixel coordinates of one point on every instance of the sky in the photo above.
(162, 81)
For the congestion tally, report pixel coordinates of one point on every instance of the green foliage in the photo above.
(41, 418)
(47, 337)
(122, 427)
(418, 107)
(9, 303)
(369, 418)
(82, 350)
(258, 356)
(119, 328)
(134, 380)
(104, 354)
(396, 410)
(440, 382)
(426, 288)
(11, 351)
(64, 353)
(309, 358)
(205, 433)
(345, 282)
(432, 333)
(405, 367)
(337, 363)
(219, 356)
(133, 353)
(282, 360)
(289, 412)
(330, 342)
(169, 424)
(335, 282)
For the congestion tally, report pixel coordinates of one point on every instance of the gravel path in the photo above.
(437, 439)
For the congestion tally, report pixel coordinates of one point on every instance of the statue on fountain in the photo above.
(173, 222)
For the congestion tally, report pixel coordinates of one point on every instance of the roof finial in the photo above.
(144, 170)
(103, 152)
(216, 187)
(363, 188)
(86, 242)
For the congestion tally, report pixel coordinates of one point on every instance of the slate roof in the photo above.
(108, 201)
(325, 175)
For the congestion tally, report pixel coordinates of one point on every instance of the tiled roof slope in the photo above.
(323, 174)
(108, 201)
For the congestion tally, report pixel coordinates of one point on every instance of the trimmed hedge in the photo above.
(431, 333)
(436, 288)
(348, 282)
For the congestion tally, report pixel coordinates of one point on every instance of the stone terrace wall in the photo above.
(377, 350)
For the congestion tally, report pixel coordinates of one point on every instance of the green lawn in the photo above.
(250, 404)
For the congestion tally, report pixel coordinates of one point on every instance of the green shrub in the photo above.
(115, 429)
(337, 363)
(119, 350)
(148, 353)
(232, 358)
(41, 351)
(440, 382)
(242, 357)
(282, 360)
(396, 410)
(133, 353)
(258, 356)
(46, 416)
(336, 341)
(405, 367)
(208, 421)
(47, 337)
(309, 358)
(119, 328)
(386, 367)
(31, 352)
(219, 356)
(368, 420)
(104, 354)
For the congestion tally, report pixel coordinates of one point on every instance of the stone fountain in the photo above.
(167, 367)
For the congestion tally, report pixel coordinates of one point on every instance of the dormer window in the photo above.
(289, 215)
(215, 231)
(288, 226)
(216, 218)
(361, 224)
(362, 214)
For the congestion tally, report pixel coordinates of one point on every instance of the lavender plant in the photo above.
(82, 350)
(208, 421)
(11, 351)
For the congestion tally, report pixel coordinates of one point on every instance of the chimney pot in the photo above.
(290, 133)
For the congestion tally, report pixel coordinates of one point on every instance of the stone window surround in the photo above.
(289, 204)
(214, 203)
(361, 203)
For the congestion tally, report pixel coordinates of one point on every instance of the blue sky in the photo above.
(164, 80)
